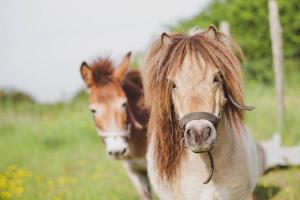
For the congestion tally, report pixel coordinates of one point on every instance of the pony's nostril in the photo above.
(188, 132)
(110, 153)
(206, 133)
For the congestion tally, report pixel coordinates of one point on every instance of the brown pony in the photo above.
(193, 87)
(116, 101)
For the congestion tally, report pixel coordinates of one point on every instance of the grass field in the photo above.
(51, 152)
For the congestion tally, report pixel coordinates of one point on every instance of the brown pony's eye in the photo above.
(124, 105)
(93, 111)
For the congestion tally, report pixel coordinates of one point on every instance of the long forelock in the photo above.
(158, 98)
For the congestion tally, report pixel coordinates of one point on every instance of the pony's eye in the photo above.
(217, 79)
(93, 111)
(173, 85)
(124, 105)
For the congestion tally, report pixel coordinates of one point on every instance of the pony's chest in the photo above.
(189, 185)
(194, 171)
(192, 187)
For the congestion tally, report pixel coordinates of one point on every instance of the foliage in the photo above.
(12, 182)
(249, 26)
(14, 96)
(80, 94)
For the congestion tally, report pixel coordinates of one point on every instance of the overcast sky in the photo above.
(43, 42)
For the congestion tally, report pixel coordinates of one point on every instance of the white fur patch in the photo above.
(115, 143)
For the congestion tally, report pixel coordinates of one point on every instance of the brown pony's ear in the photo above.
(86, 74)
(212, 32)
(120, 72)
(165, 39)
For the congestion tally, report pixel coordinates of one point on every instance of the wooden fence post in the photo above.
(275, 31)
(224, 27)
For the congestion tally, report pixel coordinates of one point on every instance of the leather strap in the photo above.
(197, 116)
(212, 167)
(241, 107)
(131, 119)
(105, 134)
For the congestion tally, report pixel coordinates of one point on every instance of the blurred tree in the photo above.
(15, 96)
(249, 26)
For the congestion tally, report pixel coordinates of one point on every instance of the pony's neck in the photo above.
(227, 137)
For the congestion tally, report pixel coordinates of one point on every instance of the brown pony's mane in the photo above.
(133, 88)
(162, 61)
(101, 69)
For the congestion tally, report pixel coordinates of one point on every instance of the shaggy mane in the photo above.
(162, 61)
(102, 69)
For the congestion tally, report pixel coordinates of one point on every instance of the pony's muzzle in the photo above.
(200, 135)
(118, 152)
(116, 146)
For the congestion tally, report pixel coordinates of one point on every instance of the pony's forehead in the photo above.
(106, 92)
(117, 102)
(194, 65)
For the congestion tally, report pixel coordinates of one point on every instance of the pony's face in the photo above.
(108, 105)
(197, 87)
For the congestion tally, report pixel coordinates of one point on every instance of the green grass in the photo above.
(57, 148)
(283, 183)
(263, 120)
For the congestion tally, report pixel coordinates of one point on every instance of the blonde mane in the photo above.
(162, 60)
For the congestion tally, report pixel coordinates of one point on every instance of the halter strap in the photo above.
(131, 119)
(105, 134)
(237, 105)
(212, 167)
(197, 116)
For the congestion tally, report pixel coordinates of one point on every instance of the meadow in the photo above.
(51, 152)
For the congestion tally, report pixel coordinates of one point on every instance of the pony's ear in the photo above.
(86, 74)
(212, 32)
(165, 39)
(120, 72)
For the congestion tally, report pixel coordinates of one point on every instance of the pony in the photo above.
(198, 145)
(116, 101)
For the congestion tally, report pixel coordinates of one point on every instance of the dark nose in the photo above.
(198, 134)
(117, 153)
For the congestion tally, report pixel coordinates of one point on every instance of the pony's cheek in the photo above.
(178, 105)
(99, 124)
